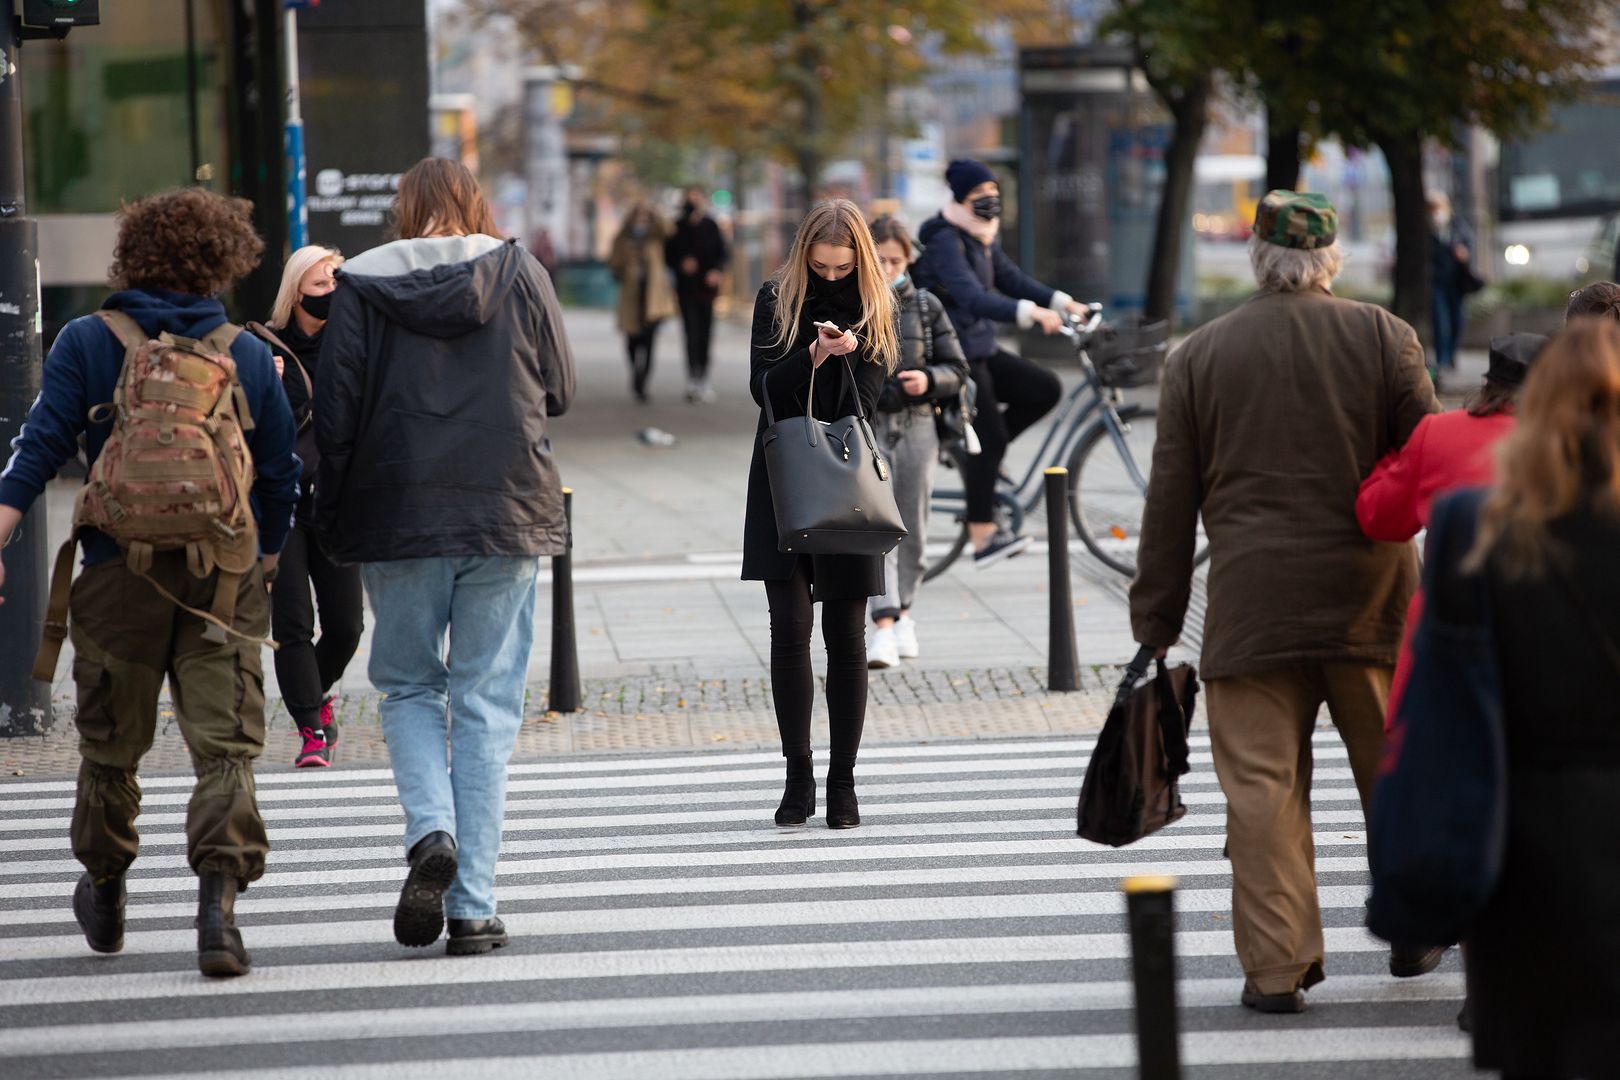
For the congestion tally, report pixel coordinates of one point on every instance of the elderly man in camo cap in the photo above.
(1269, 418)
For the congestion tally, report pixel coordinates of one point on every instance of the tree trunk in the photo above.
(1282, 156)
(1191, 115)
(1404, 153)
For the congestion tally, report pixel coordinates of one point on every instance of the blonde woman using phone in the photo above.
(828, 302)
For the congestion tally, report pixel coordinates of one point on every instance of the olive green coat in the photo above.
(1269, 418)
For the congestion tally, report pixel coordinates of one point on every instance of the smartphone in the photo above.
(831, 328)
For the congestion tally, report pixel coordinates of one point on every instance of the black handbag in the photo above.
(829, 485)
(1132, 785)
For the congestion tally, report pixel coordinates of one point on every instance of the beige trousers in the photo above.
(1260, 727)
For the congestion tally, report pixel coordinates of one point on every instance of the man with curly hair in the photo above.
(176, 251)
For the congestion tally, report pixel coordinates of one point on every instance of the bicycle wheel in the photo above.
(1108, 489)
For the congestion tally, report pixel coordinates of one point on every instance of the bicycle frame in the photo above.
(1028, 491)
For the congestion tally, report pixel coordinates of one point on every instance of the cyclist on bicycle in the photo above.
(962, 263)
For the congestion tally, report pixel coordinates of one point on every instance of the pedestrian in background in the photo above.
(962, 263)
(931, 369)
(307, 668)
(443, 361)
(698, 254)
(1601, 299)
(1451, 249)
(1269, 417)
(645, 298)
(1544, 954)
(142, 615)
(831, 275)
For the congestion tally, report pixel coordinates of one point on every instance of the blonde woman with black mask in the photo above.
(830, 276)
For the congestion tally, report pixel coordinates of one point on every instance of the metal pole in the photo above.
(1150, 910)
(564, 693)
(297, 209)
(25, 705)
(1063, 663)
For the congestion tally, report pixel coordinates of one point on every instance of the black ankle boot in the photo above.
(799, 798)
(99, 907)
(843, 812)
(419, 917)
(220, 953)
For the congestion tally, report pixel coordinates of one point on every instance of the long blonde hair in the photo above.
(302, 262)
(1564, 450)
(838, 222)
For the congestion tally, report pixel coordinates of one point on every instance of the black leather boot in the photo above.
(799, 798)
(220, 953)
(99, 907)
(843, 812)
(468, 937)
(419, 918)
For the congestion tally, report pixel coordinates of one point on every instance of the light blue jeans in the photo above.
(473, 702)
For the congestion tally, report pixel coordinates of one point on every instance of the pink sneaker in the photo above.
(315, 753)
(329, 724)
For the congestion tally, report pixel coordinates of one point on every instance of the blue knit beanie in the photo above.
(966, 174)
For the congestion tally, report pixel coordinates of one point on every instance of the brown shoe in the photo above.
(1410, 961)
(1292, 1001)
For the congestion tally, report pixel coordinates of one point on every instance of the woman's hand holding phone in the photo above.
(832, 342)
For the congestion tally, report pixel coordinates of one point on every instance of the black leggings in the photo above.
(305, 668)
(639, 347)
(793, 686)
(697, 315)
(1029, 391)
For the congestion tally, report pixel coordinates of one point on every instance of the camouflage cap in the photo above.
(1296, 219)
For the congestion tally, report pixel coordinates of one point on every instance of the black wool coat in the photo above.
(785, 377)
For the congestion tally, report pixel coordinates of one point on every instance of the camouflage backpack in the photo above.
(174, 474)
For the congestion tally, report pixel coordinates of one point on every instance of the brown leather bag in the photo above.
(1132, 786)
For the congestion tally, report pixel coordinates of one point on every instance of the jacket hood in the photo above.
(438, 286)
(158, 310)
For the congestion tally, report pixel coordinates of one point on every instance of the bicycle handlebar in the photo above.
(1077, 328)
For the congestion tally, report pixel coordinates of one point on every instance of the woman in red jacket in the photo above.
(1447, 450)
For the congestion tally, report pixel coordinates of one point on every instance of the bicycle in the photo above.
(1107, 492)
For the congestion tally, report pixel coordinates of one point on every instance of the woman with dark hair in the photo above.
(1601, 299)
(1544, 953)
(1446, 451)
(828, 302)
(443, 360)
(931, 370)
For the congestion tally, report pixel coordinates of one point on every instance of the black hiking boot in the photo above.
(99, 907)
(220, 953)
(468, 937)
(419, 918)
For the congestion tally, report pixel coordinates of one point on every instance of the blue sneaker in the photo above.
(1003, 545)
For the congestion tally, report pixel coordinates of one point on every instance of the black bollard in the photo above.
(1063, 663)
(1150, 910)
(564, 693)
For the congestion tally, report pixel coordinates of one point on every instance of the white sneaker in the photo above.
(881, 651)
(905, 637)
(701, 393)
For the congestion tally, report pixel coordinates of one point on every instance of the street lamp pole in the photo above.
(297, 208)
(25, 705)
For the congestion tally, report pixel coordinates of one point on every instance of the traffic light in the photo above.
(60, 14)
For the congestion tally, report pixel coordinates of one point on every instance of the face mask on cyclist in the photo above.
(986, 207)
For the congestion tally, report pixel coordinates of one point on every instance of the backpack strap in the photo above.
(130, 334)
(268, 336)
(56, 612)
(222, 337)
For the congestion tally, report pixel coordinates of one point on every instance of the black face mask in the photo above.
(986, 207)
(822, 287)
(688, 208)
(316, 307)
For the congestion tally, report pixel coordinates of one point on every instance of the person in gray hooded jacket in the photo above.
(443, 358)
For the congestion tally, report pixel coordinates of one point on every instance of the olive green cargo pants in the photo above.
(126, 638)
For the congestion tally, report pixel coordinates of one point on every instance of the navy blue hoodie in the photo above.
(82, 372)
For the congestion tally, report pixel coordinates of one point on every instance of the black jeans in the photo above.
(1029, 391)
(793, 686)
(640, 349)
(306, 668)
(697, 314)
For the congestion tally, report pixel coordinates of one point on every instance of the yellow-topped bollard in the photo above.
(1150, 911)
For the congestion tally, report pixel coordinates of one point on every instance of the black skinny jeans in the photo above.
(307, 668)
(639, 347)
(697, 315)
(1029, 391)
(793, 686)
